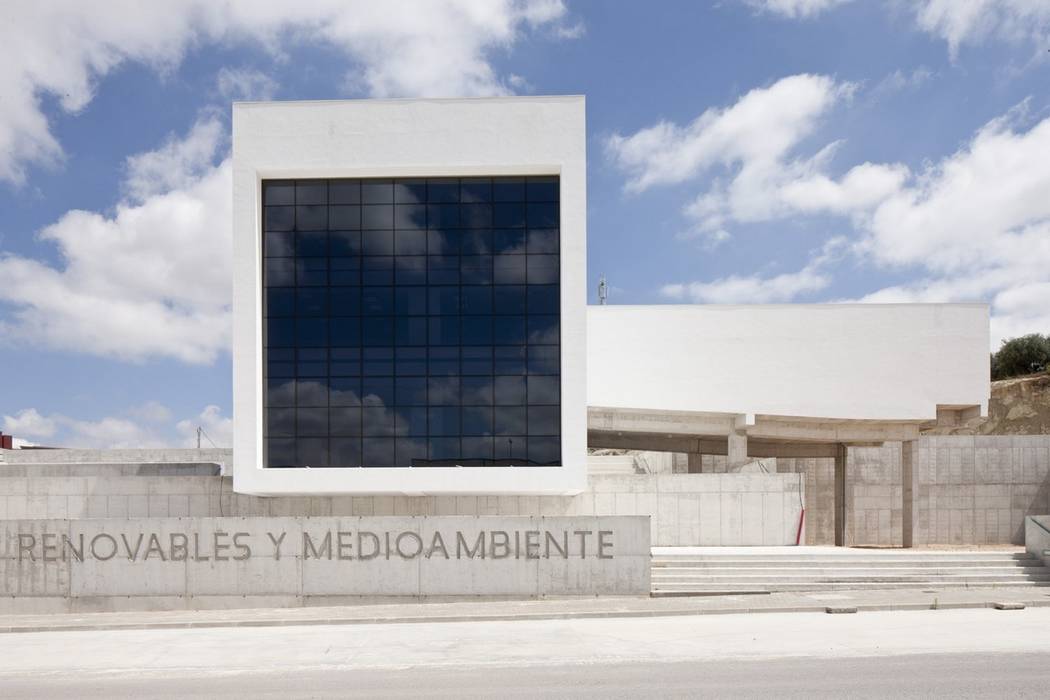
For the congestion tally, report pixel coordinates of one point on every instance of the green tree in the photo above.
(1024, 355)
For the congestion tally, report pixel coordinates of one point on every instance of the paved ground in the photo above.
(957, 653)
(581, 608)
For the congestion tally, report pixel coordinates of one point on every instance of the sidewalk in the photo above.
(553, 609)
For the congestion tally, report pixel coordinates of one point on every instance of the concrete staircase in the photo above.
(798, 570)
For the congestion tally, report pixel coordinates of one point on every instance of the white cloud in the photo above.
(977, 225)
(418, 48)
(961, 22)
(759, 289)
(150, 280)
(245, 84)
(795, 8)
(218, 429)
(147, 426)
(29, 422)
(750, 147)
(177, 164)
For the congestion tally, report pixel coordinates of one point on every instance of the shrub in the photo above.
(1024, 355)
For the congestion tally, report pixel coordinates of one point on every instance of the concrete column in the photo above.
(840, 495)
(696, 463)
(737, 451)
(907, 492)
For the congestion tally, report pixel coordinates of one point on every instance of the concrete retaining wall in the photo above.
(150, 563)
(686, 509)
(1037, 537)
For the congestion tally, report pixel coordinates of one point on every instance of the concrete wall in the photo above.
(1037, 537)
(686, 509)
(831, 361)
(111, 564)
(967, 490)
(409, 138)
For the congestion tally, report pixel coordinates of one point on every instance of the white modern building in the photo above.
(410, 318)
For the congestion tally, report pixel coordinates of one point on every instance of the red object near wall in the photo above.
(7, 442)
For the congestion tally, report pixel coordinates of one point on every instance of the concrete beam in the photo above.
(659, 422)
(844, 431)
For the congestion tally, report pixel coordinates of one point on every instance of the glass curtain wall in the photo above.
(411, 322)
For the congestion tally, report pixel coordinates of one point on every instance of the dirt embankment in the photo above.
(1018, 406)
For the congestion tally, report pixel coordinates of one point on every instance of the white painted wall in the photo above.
(856, 361)
(408, 138)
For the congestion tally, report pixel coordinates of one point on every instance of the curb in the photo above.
(506, 617)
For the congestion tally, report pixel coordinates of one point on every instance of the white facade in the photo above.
(408, 138)
(864, 362)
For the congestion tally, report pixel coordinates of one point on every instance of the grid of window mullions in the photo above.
(529, 373)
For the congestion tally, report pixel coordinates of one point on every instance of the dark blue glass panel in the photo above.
(311, 218)
(443, 300)
(311, 192)
(377, 192)
(280, 301)
(311, 421)
(344, 218)
(311, 332)
(475, 190)
(280, 332)
(311, 301)
(443, 421)
(543, 420)
(280, 422)
(542, 189)
(443, 190)
(344, 331)
(508, 299)
(312, 452)
(508, 189)
(410, 216)
(508, 214)
(542, 214)
(509, 420)
(411, 421)
(410, 391)
(345, 420)
(344, 191)
(377, 452)
(509, 330)
(410, 243)
(410, 452)
(280, 272)
(510, 391)
(410, 330)
(544, 299)
(278, 192)
(477, 300)
(544, 241)
(410, 301)
(280, 244)
(477, 420)
(345, 391)
(278, 218)
(377, 330)
(345, 452)
(410, 191)
(476, 330)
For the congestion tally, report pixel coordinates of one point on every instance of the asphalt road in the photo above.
(958, 654)
(948, 676)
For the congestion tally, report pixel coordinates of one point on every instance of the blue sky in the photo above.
(740, 151)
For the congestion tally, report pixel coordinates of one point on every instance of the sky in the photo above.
(739, 151)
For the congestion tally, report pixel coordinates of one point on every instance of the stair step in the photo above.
(857, 564)
(686, 589)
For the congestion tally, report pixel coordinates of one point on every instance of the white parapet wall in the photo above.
(893, 362)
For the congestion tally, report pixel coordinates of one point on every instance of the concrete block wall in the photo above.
(967, 490)
(819, 488)
(685, 509)
(979, 489)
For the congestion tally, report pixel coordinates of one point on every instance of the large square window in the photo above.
(412, 322)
